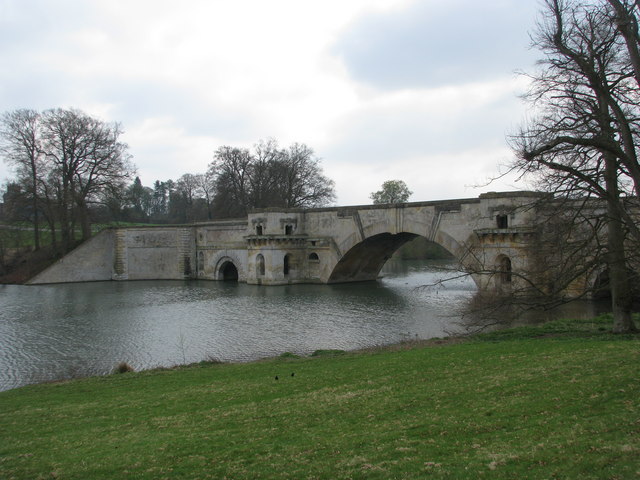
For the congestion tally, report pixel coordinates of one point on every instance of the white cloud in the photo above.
(185, 78)
(167, 147)
(429, 176)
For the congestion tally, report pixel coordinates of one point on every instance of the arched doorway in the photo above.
(313, 262)
(228, 272)
(286, 266)
(260, 270)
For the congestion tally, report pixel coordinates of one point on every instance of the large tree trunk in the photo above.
(36, 226)
(66, 233)
(85, 223)
(621, 298)
(54, 239)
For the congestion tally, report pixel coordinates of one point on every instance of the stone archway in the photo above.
(365, 259)
(228, 272)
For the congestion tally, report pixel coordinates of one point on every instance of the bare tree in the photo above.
(627, 22)
(19, 137)
(583, 141)
(270, 177)
(232, 167)
(187, 191)
(206, 190)
(86, 158)
(303, 184)
(266, 175)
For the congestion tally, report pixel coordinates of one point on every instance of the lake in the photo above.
(54, 332)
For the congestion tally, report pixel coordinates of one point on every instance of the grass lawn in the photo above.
(560, 401)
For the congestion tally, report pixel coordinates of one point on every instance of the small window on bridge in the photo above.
(502, 221)
(259, 230)
(288, 230)
(200, 261)
(286, 265)
(260, 265)
(313, 257)
(505, 269)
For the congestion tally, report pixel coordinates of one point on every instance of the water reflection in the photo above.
(60, 331)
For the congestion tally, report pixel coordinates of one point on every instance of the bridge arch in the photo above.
(598, 285)
(364, 260)
(227, 269)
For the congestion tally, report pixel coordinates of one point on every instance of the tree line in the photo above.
(65, 161)
(72, 170)
(237, 181)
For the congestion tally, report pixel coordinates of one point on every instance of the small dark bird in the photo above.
(293, 374)
(276, 377)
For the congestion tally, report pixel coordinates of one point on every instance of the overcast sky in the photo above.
(424, 91)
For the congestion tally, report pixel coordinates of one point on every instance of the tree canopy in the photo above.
(269, 176)
(65, 160)
(393, 191)
(71, 170)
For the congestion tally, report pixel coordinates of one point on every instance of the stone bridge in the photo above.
(487, 234)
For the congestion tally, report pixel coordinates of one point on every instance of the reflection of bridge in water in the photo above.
(488, 234)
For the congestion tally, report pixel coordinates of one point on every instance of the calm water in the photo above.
(62, 331)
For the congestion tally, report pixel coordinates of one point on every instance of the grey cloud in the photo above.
(139, 99)
(31, 31)
(381, 137)
(430, 46)
(28, 25)
(31, 85)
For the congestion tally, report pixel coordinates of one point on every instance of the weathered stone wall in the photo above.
(141, 253)
(219, 244)
(90, 262)
(162, 253)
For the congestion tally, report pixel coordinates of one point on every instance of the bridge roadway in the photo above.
(489, 235)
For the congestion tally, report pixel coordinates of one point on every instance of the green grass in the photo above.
(593, 328)
(562, 402)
